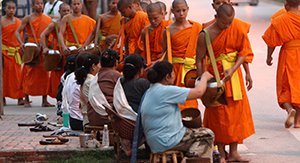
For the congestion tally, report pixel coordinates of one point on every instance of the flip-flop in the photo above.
(40, 128)
(62, 133)
(33, 123)
(54, 141)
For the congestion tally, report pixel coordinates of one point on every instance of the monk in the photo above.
(284, 32)
(249, 82)
(35, 79)
(83, 26)
(136, 4)
(280, 12)
(184, 34)
(52, 30)
(110, 25)
(151, 38)
(231, 123)
(11, 56)
(91, 8)
(164, 9)
(132, 26)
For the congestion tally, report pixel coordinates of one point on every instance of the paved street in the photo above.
(272, 143)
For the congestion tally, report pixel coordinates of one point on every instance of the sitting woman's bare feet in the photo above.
(222, 160)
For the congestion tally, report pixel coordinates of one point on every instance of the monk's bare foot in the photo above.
(21, 102)
(47, 104)
(4, 102)
(290, 118)
(27, 104)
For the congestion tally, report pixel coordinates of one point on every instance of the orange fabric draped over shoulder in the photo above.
(284, 32)
(111, 25)
(184, 44)
(155, 40)
(11, 70)
(133, 29)
(83, 27)
(232, 122)
(35, 79)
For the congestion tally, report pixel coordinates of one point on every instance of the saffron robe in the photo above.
(133, 29)
(11, 69)
(184, 44)
(284, 32)
(111, 25)
(155, 40)
(232, 122)
(55, 75)
(83, 27)
(35, 79)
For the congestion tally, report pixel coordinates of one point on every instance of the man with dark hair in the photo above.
(231, 123)
(284, 32)
(11, 56)
(35, 78)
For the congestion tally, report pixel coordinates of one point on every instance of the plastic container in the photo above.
(105, 137)
(216, 155)
(66, 119)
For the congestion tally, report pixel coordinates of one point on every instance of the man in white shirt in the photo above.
(51, 9)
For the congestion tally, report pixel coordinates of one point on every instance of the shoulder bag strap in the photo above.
(57, 33)
(52, 8)
(212, 57)
(73, 32)
(169, 45)
(33, 32)
(147, 43)
(97, 32)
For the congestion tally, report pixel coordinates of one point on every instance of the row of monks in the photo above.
(128, 29)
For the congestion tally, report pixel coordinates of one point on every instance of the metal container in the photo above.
(83, 139)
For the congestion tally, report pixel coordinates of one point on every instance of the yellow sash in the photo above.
(228, 61)
(13, 51)
(73, 44)
(188, 64)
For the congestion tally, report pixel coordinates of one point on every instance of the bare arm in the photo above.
(45, 34)
(200, 88)
(200, 53)
(62, 29)
(269, 57)
(21, 29)
(248, 77)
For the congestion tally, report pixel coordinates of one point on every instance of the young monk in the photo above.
(132, 28)
(280, 12)
(184, 34)
(82, 24)
(154, 33)
(35, 78)
(136, 4)
(249, 82)
(284, 32)
(164, 9)
(109, 27)
(231, 123)
(55, 75)
(11, 56)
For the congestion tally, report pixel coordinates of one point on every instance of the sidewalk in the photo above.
(18, 144)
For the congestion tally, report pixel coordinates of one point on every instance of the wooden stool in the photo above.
(154, 157)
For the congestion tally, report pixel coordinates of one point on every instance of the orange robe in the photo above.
(11, 69)
(284, 32)
(133, 29)
(55, 75)
(232, 122)
(278, 13)
(184, 44)
(35, 79)
(83, 27)
(155, 40)
(111, 25)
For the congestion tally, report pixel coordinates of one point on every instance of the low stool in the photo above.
(162, 157)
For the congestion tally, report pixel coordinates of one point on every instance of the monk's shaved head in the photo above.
(10, 2)
(63, 5)
(176, 2)
(225, 10)
(124, 3)
(154, 7)
(293, 3)
(162, 5)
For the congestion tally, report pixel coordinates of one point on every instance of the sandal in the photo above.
(54, 141)
(62, 133)
(40, 128)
